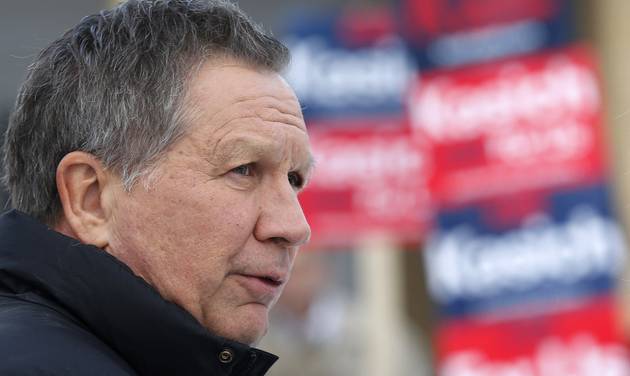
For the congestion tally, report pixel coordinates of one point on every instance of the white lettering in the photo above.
(579, 356)
(340, 78)
(562, 91)
(461, 264)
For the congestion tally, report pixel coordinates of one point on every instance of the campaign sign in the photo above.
(446, 33)
(522, 249)
(513, 125)
(347, 65)
(581, 340)
(367, 179)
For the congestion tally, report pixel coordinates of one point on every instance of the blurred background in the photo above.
(470, 203)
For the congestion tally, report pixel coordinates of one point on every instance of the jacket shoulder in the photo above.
(36, 339)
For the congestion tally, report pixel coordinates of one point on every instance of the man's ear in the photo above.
(85, 190)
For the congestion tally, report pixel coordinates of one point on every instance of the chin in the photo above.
(247, 326)
(253, 334)
(249, 337)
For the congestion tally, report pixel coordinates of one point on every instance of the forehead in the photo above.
(232, 106)
(220, 89)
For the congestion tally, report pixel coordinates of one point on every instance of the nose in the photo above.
(281, 218)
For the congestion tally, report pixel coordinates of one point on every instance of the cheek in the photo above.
(189, 230)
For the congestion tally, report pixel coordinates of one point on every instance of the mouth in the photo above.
(271, 281)
(263, 289)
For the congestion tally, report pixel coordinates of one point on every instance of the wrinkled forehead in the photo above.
(218, 86)
(237, 112)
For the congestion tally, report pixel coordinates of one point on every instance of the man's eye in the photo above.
(295, 179)
(245, 170)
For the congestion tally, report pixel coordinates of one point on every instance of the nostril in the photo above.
(280, 240)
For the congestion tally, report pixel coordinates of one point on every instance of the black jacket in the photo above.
(71, 309)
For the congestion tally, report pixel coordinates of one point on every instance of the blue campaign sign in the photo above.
(570, 246)
(347, 65)
(445, 33)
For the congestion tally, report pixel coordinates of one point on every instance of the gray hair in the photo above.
(113, 86)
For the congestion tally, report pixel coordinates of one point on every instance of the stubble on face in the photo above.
(208, 235)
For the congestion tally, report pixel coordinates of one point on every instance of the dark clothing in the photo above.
(71, 309)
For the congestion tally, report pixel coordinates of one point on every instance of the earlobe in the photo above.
(83, 185)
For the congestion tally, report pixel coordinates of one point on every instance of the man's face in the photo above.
(218, 230)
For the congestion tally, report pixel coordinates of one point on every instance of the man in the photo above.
(154, 159)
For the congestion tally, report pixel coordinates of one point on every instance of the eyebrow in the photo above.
(309, 166)
(241, 147)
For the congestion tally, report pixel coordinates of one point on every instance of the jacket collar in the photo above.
(154, 336)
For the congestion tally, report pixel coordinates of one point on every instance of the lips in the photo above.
(262, 288)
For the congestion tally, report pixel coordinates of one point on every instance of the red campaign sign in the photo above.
(426, 18)
(580, 341)
(512, 125)
(368, 178)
